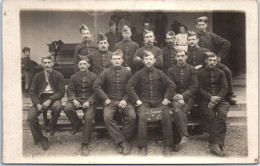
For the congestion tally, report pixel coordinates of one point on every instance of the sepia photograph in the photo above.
(149, 82)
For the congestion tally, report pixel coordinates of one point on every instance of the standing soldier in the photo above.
(85, 47)
(212, 90)
(186, 79)
(27, 68)
(128, 47)
(46, 92)
(169, 51)
(114, 96)
(156, 51)
(212, 42)
(81, 96)
(100, 59)
(150, 88)
(113, 36)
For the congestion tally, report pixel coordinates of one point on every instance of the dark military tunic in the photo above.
(83, 48)
(156, 51)
(113, 38)
(99, 61)
(128, 47)
(168, 57)
(196, 55)
(211, 41)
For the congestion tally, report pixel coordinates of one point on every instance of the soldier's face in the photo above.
(149, 61)
(83, 65)
(117, 60)
(201, 26)
(170, 40)
(103, 45)
(149, 38)
(181, 58)
(193, 41)
(86, 35)
(211, 62)
(27, 53)
(47, 64)
(127, 35)
(113, 28)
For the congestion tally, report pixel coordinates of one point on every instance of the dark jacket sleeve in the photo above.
(129, 75)
(131, 85)
(71, 90)
(223, 85)
(202, 92)
(159, 59)
(97, 87)
(223, 43)
(170, 75)
(170, 86)
(193, 87)
(34, 90)
(60, 90)
(93, 97)
(26, 64)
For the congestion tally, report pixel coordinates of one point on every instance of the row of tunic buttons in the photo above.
(117, 81)
(151, 86)
(212, 82)
(126, 57)
(181, 76)
(103, 60)
(83, 86)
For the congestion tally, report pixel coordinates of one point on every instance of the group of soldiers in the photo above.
(135, 79)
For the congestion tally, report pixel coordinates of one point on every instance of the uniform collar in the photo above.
(210, 69)
(83, 72)
(116, 67)
(148, 69)
(193, 48)
(182, 65)
(148, 47)
(102, 52)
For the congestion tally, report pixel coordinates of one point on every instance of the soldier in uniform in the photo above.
(156, 51)
(46, 92)
(128, 47)
(212, 41)
(186, 79)
(114, 96)
(85, 47)
(27, 68)
(113, 36)
(169, 51)
(212, 90)
(100, 59)
(81, 96)
(150, 88)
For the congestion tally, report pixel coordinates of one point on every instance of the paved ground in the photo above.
(63, 143)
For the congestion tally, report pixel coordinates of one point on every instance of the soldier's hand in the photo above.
(139, 102)
(108, 101)
(122, 104)
(46, 104)
(39, 107)
(215, 99)
(138, 58)
(128, 68)
(76, 103)
(165, 102)
(211, 105)
(198, 67)
(178, 97)
(86, 104)
(182, 102)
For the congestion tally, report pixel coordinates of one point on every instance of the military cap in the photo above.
(126, 29)
(170, 33)
(118, 52)
(202, 18)
(50, 57)
(81, 57)
(148, 53)
(146, 32)
(26, 49)
(111, 23)
(83, 27)
(101, 37)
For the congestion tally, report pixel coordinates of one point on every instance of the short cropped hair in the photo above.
(48, 57)
(210, 55)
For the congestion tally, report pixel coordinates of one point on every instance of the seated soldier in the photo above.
(114, 96)
(212, 90)
(150, 88)
(186, 79)
(81, 96)
(46, 92)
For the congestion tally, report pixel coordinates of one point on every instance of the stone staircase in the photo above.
(236, 116)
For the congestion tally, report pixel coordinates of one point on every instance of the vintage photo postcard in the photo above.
(130, 82)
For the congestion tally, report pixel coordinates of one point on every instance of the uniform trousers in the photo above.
(33, 114)
(114, 131)
(215, 121)
(228, 75)
(142, 123)
(180, 115)
(89, 114)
